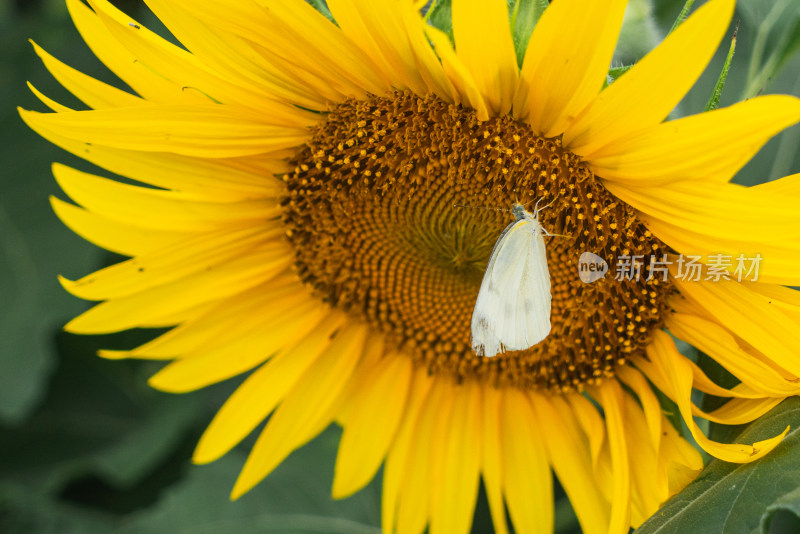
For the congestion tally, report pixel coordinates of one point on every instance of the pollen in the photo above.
(393, 208)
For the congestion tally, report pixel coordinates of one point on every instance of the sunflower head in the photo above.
(321, 199)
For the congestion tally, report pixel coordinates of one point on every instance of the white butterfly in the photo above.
(512, 311)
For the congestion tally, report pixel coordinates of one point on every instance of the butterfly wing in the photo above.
(512, 311)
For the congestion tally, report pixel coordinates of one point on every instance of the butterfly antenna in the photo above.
(556, 235)
(478, 207)
(536, 209)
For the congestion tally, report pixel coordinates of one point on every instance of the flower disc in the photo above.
(381, 214)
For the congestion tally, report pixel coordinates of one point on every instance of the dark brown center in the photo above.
(374, 212)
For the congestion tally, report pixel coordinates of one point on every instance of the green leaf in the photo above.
(780, 18)
(22, 512)
(524, 16)
(788, 503)
(440, 16)
(731, 498)
(322, 7)
(788, 45)
(34, 246)
(99, 419)
(294, 499)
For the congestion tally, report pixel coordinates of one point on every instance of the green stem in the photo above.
(682, 15)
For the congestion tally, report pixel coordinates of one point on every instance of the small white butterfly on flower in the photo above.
(512, 311)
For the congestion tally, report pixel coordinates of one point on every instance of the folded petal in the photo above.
(677, 375)
(751, 316)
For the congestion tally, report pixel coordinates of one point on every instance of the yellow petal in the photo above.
(401, 449)
(645, 95)
(783, 266)
(788, 185)
(723, 347)
(305, 38)
(204, 366)
(218, 35)
(647, 492)
(460, 77)
(751, 316)
(740, 411)
(184, 259)
(379, 30)
(677, 374)
(221, 179)
(372, 423)
(155, 209)
(679, 461)
(211, 131)
(116, 236)
(222, 322)
(485, 48)
(147, 83)
(47, 101)
(568, 450)
(712, 146)
(650, 405)
(305, 407)
(93, 93)
(417, 488)
(457, 463)
(700, 382)
(428, 63)
(526, 473)
(722, 210)
(785, 298)
(591, 423)
(262, 391)
(611, 397)
(226, 319)
(709, 220)
(137, 311)
(562, 74)
(492, 461)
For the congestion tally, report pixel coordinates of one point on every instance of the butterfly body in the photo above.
(512, 311)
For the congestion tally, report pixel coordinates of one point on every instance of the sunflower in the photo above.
(299, 218)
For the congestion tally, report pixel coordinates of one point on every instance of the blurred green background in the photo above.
(87, 446)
